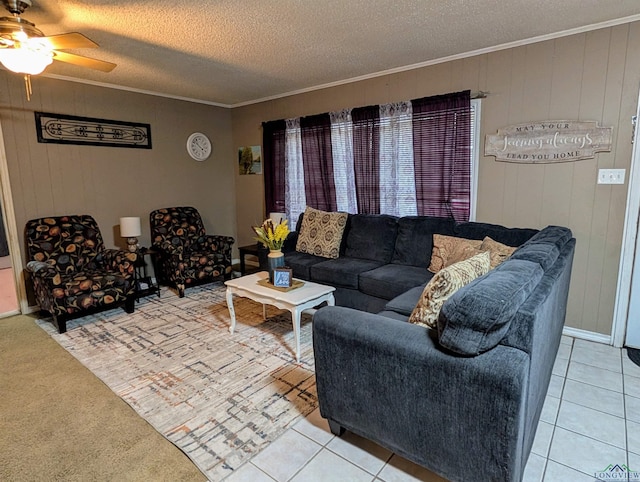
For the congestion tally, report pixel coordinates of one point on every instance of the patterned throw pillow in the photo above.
(497, 251)
(448, 250)
(444, 284)
(321, 233)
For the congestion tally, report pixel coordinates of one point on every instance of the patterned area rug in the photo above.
(219, 397)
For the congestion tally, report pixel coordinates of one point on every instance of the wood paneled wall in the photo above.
(589, 76)
(110, 182)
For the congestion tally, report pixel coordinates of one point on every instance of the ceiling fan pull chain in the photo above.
(27, 86)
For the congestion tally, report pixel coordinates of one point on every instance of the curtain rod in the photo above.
(481, 94)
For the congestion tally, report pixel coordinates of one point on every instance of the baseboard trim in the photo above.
(587, 335)
(9, 313)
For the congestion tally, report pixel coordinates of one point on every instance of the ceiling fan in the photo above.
(24, 49)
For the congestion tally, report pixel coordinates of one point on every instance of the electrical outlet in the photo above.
(611, 176)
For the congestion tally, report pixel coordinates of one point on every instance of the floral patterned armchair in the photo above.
(186, 254)
(72, 272)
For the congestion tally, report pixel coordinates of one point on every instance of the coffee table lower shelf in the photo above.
(295, 301)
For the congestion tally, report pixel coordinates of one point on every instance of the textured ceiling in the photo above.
(233, 52)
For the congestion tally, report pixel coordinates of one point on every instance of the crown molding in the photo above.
(106, 85)
(450, 58)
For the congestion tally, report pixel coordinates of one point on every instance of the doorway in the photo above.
(632, 338)
(12, 290)
(8, 294)
(626, 317)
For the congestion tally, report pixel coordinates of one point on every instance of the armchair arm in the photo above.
(121, 261)
(218, 244)
(166, 249)
(47, 283)
(42, 269)
(389, 381)
(45, 273)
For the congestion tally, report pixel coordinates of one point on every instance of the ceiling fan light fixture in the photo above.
(29, 58)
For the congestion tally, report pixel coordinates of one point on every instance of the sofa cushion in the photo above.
(508, 236)
(444, 284)
(544, 254)
(394, 315)
(391, 280)
(497, 251)
(406, 302)
(342, 272)
(292, 239)
(301, 263)
(478, 316)
(372, 236)
(95, 282)
(414, 241)
(448, 250)
(557, 235)
(544, 248)
(321, 233)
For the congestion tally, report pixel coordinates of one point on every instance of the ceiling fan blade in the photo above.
(84, 61)
(72, 40)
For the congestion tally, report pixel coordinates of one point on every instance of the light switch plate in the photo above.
(611, 176)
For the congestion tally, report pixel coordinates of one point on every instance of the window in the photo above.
(406, 158)
(475, 156)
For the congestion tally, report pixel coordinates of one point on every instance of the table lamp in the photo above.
(277, 217)
(130, 229)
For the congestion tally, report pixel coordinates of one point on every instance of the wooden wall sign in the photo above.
(69, 129)
(548, 141)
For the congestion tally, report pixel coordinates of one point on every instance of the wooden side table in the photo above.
(252, 250)
(144, 285)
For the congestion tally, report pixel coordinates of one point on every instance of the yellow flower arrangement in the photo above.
(271, 235)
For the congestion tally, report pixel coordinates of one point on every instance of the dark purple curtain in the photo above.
(442, 155)
(273, 155)
(320, 188)
(366, 158)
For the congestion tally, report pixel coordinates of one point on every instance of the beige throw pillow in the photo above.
(444, 284)
(448, 250)
(321, 233)
(497, 251)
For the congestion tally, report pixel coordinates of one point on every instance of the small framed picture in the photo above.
(282, 277)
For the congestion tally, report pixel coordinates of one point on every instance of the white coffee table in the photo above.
(296, 301)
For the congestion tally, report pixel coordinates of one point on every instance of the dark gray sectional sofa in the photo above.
(463, 400)
(383, 256)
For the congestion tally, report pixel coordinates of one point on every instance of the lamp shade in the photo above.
(130, 227)
(277, 217)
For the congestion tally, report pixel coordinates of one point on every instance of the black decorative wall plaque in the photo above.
(69, 129)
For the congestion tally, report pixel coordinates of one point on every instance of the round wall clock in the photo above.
(199, 146)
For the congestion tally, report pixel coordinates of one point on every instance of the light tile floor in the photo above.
(590, 420)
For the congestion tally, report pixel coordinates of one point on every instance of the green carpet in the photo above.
(59, 422)
(220, 397)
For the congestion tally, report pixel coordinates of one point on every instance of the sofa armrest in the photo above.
(291, 242)
(390, 382)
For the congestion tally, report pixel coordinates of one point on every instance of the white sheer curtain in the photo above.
(397, 180)
(342, 152)
(295, 198)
